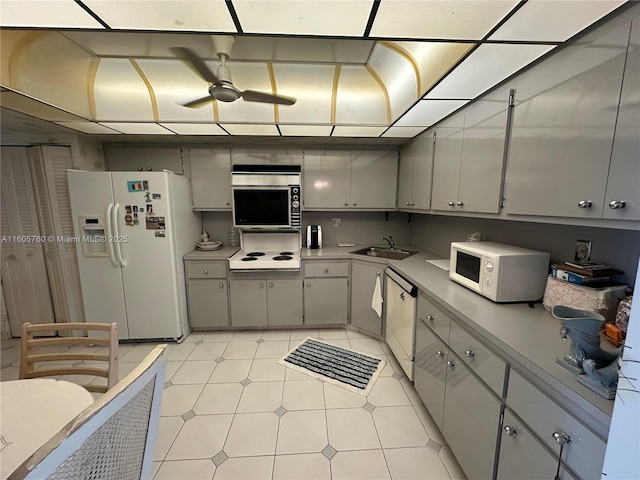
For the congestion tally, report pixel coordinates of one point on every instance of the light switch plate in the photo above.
(583, 250)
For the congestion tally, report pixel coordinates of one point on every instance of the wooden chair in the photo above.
(113, 438)
(35, 363)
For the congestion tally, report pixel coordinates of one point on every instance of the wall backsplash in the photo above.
(618, 248)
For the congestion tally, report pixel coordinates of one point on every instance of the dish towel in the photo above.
(376, 301)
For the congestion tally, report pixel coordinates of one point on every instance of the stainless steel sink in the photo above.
(394, 254)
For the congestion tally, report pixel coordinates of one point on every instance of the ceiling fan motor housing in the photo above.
(224, 92)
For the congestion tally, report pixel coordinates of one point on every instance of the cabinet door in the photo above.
(327, 179)
(248, 303)
(208, 305)
(266, 156)
(405, 176)
(471, 420)
(446, 164)
(284, 302)
(422, 172)
(562, 135)
(430, 371)
(166, 158)
(211, 178)
(624, 171)
(325, 301)
(521, 455)
(125, 159)
(363, 282)
(374, 177)
(485, 125)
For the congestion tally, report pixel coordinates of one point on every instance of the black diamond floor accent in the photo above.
(167, 384)
(433, 445)
(259, 340)
(280, 411)
(329, 451)
(245, 382)
(188, 415)
(219, 458)
(369, 407)
(397, 376)
(198, 342)
(219, 360)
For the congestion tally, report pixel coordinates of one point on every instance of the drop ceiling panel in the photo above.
(138, 128)
(485, 67)
(305, 130)
(310, 17)
(185, 15)
(557, 21)
(397, 75)
(351, 131)
(249, 129)
(312, 85)
(247, 76)
(120, 93)
(45, 13)
(34, 108)
(427, 112)
(359, 98)
(89, 127)
(174, 83)
(403, 132)
(455, 19)
(194, 128)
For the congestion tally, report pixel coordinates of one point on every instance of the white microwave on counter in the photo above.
(502, 273)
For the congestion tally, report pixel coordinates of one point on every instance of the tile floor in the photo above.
(230, 411)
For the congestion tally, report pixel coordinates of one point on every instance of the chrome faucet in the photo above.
(392, 244)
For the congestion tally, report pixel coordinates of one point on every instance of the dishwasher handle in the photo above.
(402, 282)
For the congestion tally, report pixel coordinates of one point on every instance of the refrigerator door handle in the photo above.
(108, 234)
(114, 240)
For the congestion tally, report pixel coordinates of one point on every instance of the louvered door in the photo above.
(24, 274)
(49, 166)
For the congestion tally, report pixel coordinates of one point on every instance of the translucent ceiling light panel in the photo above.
(194, 128)
(183, 15)
(355, 131)
(557, 21)
(488, 65)
(247, 129)
(308, 17)
(138, 128)
(455, 19)
(402, 132)
(89, 127)
(428, 112)
(247, 76)
(360, 98)
(305, 130)
(47, 13)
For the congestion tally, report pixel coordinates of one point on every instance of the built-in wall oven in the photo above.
(266, 196)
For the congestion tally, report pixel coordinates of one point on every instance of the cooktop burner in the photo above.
(282, 257)
(286, 253)
(255, 254)
(248, 259)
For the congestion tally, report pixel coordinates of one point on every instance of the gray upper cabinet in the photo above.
(446, 163)
(414, 174)
(623, 184)
(563, 130)
(354, 180)
(132, 159)
(266, 156)
(211, 178)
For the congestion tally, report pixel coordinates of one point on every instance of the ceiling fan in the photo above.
(222, 87)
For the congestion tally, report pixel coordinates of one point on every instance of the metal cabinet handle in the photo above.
(271, 284)
(402, 296)
(511, 431)
(355, 204)
(469, 353)
(452, 204)
(584, 203)
(346, 203)
(206, 272)
(430, 318)
(451, 364)
(228, 203)
(460, 204)
(262, 285)
(326, 270)
(378, 274)
(440, 353)
(407, 204)
(222, 285)
(308, 284)
(411, 203)
(615, 204)
(561, 438)
(149, 169)
(139, 169)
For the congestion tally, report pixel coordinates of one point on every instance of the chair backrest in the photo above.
(113, 438)
(58, 356)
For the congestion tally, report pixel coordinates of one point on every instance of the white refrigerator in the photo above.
(132, 230)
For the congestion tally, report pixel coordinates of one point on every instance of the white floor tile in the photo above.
(272, 349)
(179, 351)
(420, 463)
(429, 424)
(154, 468)
(328, 333)
(338, 397)
(351, 429)
(240, 350)
(410, 390)
(307, 466)
(194, 337)
(218, 398)
(246, 468)
(451, 464)
(186, 470)
(368, 346)
(201, 437)
(303, 395)
(168, 428)
(172, 368)
(266, 370)
(252, 434)
(356, 334)
(208, 351)
(217, 336)
(399, 427)
(294, 375)
(197, 371)
(231, 371)
(179, 399)
(388, 392)
(247, 335)
(304, 333)
(261, 397)
(137, 352)
(276, 335)
(302, 432)
(359, 465)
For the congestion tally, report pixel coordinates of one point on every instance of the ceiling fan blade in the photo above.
(253, 96)
(198, 101)
(197, 63)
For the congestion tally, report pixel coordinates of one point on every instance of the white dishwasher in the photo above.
(401, 318)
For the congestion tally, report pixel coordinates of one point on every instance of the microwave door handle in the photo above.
(108, 235)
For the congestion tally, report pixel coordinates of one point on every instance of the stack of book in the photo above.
(585, 273)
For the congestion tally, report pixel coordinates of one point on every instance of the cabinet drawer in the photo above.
(585, 453)
(206, 270)
(491, 369)
(433, 317)
(326, 269)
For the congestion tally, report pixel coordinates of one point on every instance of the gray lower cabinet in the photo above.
(522, 457)
(262, 302)
(363, 281)
(207, 297)
(326, 293)
(284, 302)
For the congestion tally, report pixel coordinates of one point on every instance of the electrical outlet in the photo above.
(583, 250)
(337, 222)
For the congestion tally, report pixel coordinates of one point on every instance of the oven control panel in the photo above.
(296, 198)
